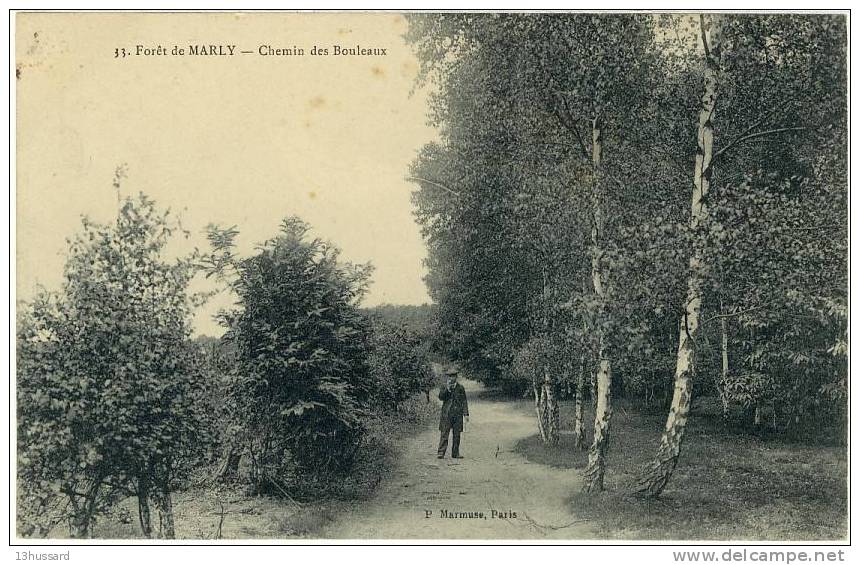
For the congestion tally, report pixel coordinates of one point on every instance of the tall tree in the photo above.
(528, 104)
(764, 74)
(670, 444)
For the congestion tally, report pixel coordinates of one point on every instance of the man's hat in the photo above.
(451, 371)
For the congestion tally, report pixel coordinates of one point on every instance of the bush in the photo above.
(399, 365)
(299, 387)
(107, 382)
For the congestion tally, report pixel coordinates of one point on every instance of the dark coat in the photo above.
(454, 407)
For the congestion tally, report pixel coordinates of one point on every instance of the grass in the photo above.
(729, 485)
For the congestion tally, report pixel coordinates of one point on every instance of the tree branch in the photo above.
(755, 135)
(733, 314)
(434, 183)
(704, 36)
(566, 117)
(571, 125)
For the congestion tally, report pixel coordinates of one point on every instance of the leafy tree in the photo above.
(758, 70)
(534, 363)
(419, 321)
(520, 199)
(107, 381)
(299, 389)
(557, 206)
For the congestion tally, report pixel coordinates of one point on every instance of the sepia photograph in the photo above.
(429, 277)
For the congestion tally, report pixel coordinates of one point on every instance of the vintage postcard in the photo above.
(427, 277)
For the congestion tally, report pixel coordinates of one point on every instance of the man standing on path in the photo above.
(454, 408)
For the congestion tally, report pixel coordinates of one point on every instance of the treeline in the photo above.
(116, 400)
(420, 320)
(650, 204)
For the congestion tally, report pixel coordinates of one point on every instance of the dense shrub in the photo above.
(399, 364)
(107, 382)
(299, 386)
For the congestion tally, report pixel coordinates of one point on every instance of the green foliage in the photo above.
(217, 359)
(399, 365)
(419, 320)
(299, 388)
(107, 381)
(542, 356)
(505, 198)
(510, 238)
(778, 229)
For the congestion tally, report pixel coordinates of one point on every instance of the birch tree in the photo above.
(763, 100)
(670, 444)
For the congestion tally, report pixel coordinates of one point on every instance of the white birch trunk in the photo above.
(538, 395)
(550, 412)
(578, 427)
(657, 474)
(594, 472)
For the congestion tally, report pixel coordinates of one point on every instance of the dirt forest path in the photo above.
(489, 477)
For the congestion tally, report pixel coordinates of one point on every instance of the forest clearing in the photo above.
(633, 237)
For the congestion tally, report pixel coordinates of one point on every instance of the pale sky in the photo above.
(243, 140)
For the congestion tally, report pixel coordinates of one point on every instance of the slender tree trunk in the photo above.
(143, 510)
(594, 472)
(83, 509)
(166, 524)
(229, 466)
(79, 524)
(79, 527)
(724, 374)
(555, 418)
(550, 412)
(578, 428)
(592, 388)
(596, 469)
(538, 392)
(657, 474)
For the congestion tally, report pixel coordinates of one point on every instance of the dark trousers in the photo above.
(455, 445)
